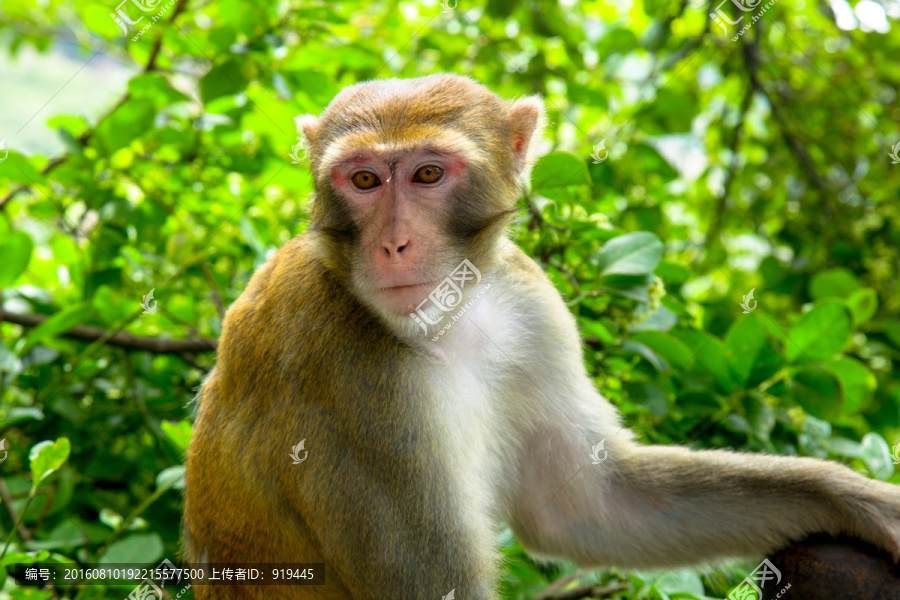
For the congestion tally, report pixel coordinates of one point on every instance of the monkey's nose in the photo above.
(393, 252)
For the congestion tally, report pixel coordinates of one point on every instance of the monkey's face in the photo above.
(401, 203)
(413, 177)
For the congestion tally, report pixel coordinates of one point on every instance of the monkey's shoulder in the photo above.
(291, 292)
(294, 315)
(527, 285)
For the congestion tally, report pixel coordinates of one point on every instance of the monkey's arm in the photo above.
(652, 505)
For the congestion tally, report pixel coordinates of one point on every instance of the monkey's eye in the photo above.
(428, 174)
(365, 180)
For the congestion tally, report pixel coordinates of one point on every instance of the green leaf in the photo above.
(126, 124)
(635, 253)
(658, 363)
(155, 87)
(617, 40)
(837, 283)
(138, 548)
(673, 350)
(16, 167)
(683, 581)
(179, 433)
(844, 447)
(19, 414)
(500, 8)
(818, 391)
(672, 273)
(672, 111)
(877, 455)
(857, 381)
(47, 457)
(863, 304)
(649, 396)
(317, 85)
(743, 345)
(819, 334)
(651, 161)
(558, 170)
(16, 249)
(709, 356)
(226, 79)
(173, 477)
(760, 415)
(892, 331)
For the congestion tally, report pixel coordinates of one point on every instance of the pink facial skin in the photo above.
(401, 218)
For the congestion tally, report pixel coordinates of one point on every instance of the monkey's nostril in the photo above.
(401, 248)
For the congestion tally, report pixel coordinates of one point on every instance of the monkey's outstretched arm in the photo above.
(650, 506)
(662, 506)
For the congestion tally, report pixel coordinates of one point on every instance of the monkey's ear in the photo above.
(526, 119)
(308, 127)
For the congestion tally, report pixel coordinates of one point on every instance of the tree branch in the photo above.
(712, 233)
(751, 59)
(121, 339)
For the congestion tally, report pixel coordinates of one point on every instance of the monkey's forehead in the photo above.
(399, 108)
(448, 112)
(387, 144)
(433, 93)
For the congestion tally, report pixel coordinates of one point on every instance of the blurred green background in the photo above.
(157, 156)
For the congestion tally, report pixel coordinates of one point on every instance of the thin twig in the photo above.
(217, 295)
(576, 287)
(8, 501)
(751, 58)
(121, 339)
(712, 233)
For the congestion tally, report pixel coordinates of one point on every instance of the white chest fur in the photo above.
(476, 359)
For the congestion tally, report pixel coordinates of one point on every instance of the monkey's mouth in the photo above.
(405, 298)
(409, 286)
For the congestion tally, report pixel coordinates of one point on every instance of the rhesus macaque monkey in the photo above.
(417, 448)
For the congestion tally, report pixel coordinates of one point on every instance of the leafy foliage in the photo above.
(686, 171)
